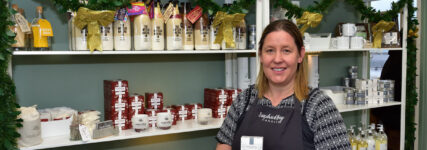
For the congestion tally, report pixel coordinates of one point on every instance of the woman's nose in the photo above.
(278, 57)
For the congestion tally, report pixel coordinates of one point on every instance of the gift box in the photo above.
(116, 103)
(232, 95)
(193, 109)
(215, 97)
(183, 112)
(136, 106)
(219, 112)
(152, 116)
(154, 100)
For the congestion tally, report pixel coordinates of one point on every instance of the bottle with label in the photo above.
(141, 32)
(71, 35)
(80, 37)
(381, 140)
(174, 29)
(370, 140)
(212, 35)
(352, 138)
(40, 41)
(201, 34)
(157, 32)
(122, 39)
(28, 35)
(187, 28)
(374, 132)
(107, 38)
(252, 37)
(20, 38)
(362, 144)
(240, 39)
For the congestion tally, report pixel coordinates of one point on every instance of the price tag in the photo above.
(168, 12)
(45, 28)
(194, 14)
(23, 23)
(84, 132)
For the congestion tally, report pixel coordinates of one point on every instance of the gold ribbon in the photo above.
(413, 33)
(226, 22)
(92, 19)
(309, 19)
(378, 31)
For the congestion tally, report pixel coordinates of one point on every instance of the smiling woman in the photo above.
(281, 108)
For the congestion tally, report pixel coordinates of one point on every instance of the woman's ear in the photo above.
(301, 54)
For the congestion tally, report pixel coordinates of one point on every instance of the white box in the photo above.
(336, 93)
(318, 41)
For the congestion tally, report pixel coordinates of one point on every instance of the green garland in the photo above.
(210, 7)
(8, 108)
(295, 11)
(74, 5)
(375, 15)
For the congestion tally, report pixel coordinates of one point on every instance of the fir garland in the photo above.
(210, 7)
(8, 108)
(295, 11)
(73, 5)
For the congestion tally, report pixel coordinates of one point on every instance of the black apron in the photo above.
(289, 133)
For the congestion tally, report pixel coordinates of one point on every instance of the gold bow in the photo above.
(92, 19)
(413, 33)
(226, 22)
(309, 19)
(378, 31)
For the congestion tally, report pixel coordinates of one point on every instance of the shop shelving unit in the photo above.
(262, 20)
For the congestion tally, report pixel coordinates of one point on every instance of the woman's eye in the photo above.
(269, 50)
(286, 51)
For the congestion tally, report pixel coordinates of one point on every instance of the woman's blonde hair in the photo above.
(301, 83)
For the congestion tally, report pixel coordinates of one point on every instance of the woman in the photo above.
(280, 107)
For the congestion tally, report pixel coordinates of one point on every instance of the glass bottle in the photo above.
(107, 38)
(212, 35)
(201, 34)
(381, 140)
(39, 42)
(352, 138)
(80, 38)
(362, 144)
(157, 24)
(187, 28)
(370, 140)
(141, 32)
(122, 38)
(174, 30)
(28, 35)
(20, 39)
(240, 39)
(71, 35)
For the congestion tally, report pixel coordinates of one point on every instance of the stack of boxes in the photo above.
(219, 99)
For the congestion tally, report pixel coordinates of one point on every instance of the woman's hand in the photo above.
(223, 147)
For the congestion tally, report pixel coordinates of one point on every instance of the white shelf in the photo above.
(352, 50)
(181, 127)
(348, 108)
(20, 53)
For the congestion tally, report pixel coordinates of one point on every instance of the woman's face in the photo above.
(280, 57)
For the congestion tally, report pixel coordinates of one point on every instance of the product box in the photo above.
(116, 102)
(174, 113)
(193, 109)
(219, 112)
(215, 97)
(152, 116)
(154, 100)
(183, 112)
(136, 106)
(232, 95)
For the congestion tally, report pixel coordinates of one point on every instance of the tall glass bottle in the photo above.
(122, 38)
(39, 42)
(240, 39)
(20, 39)
(107, 38)
(174, 30)
(381, 140)
(201, 34)
(29, 34)
(187, 28)
(212, 35)
(141, 32)
(157, 30)
(80, 38)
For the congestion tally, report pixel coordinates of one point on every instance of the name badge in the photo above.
(251, 142)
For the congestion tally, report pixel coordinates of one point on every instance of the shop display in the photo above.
(193, 108)
(122, 38)
(201, 33)
(42, 31)
(174, 29)
(30, 131)
(164, 120)
(141, 29)
(154, 100)
(136, 106)
(107, 38)
(204, 115)
(140, 122)
(187, 28)
(116, 103)
(157, 30)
